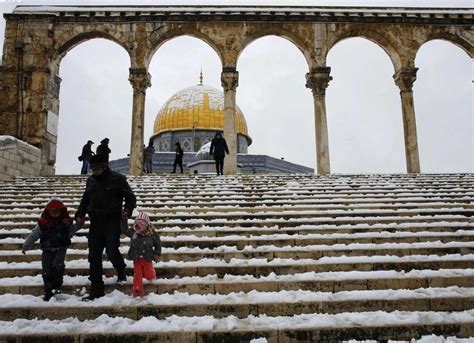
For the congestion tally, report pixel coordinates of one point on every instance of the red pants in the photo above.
(141, 269)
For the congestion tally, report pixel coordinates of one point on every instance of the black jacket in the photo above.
(104, 196)
(146, 247)
(51, 236)
(104, 150)
(179, 154)
(219, 147)
(87, 152)
(149, 152)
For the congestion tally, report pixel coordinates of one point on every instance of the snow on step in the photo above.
(205, 215)
(104, 323)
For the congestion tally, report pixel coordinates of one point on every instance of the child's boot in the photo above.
(137, 292)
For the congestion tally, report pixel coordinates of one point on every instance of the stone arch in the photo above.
(180, 32)
(299, 43)
(444, 107)
(71, 42)
(376, 38)
(450, 38)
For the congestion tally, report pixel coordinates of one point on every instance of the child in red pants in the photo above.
(145, 245)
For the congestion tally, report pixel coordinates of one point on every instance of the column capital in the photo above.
(140, 79)
(229, 78)
(318, 80)
(404, 78)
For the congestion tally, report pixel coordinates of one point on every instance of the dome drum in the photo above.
(191, 141)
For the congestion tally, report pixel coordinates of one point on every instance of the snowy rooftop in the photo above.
(243, 10)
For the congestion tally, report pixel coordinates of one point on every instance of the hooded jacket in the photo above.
(53, 233)
(142, 246)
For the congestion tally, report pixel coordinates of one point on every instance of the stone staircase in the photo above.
(284, 258)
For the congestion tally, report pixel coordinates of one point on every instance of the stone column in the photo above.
(318, 80)
(230, 81)
(140, 80)
(404, 78)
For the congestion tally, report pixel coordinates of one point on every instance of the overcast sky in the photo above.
(363, 103)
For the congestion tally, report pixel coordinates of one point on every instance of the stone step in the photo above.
(159, 194)
(203, 231)
(245, 200)
(282, 240)
(310, 281)
(262, 266)
(289, 221)
(282, 215)
(253, 206)
(240, 305)
(269, 252)
(323, 328)
(259, 208)
(77, 190)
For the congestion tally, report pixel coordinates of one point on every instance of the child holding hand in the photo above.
(54, 230)
(145, 245)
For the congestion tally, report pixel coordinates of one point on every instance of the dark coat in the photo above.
(148, 152)
(219, 147)
(87, 152)
(179, 154)
(104, 196)
(146, 247)
(51, 237)
(104, 150)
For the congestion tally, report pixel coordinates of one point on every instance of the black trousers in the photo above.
(219, 165)
(104, 233)
(52, 262)
(178, 162)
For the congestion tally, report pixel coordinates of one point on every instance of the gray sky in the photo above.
(363, 103)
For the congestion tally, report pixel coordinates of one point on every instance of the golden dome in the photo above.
(201, 107)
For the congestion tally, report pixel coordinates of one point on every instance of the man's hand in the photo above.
(125, 214)
(80, 221)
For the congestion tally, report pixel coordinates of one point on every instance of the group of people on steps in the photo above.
(108, 201)
(218, 150)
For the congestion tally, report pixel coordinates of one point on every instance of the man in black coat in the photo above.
(103, 149)
(178, 158)
(148, 153)
(86, 155)
(102, 200)
(218, 150)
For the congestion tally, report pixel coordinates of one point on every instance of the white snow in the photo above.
(104, 323)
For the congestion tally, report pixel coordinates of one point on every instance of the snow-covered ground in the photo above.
(211, 225)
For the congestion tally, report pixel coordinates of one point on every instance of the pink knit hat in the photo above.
(142, 223)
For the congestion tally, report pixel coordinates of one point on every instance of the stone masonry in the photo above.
(38, 37)
(18, 158)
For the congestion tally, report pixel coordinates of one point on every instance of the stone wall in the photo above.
(18, 158)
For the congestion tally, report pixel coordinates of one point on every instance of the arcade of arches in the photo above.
(38, 37)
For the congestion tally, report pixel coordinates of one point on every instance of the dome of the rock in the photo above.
(192, 116)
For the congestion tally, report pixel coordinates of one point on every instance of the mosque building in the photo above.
(192, 117)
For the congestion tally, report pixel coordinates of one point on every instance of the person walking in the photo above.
(107, 199)
(103, 149)
(218, 150)
(145, 246)
(54, 230)
(178, 159)
(85, 157)
(148, 153)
